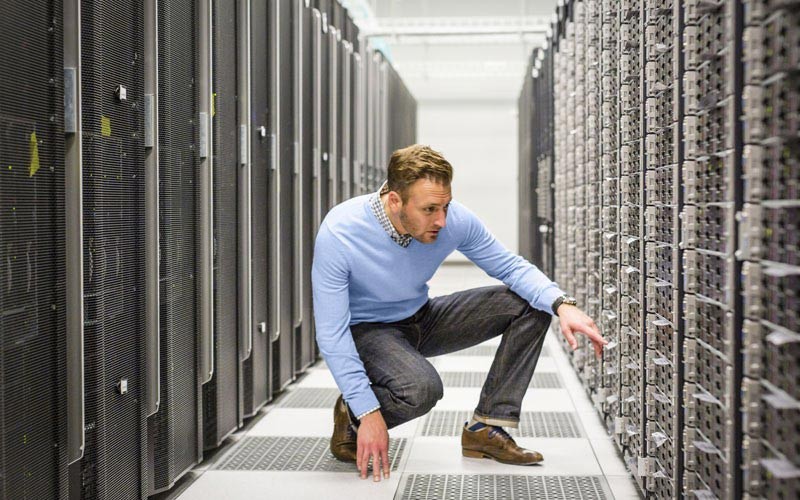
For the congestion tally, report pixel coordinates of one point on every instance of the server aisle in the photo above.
(285, 454)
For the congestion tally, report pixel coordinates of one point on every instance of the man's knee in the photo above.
(424, 393)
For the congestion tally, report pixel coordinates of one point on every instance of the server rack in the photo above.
(112, 171)
(699, 173)
(175, 429)
(258, 366)
(282, 191)
(305, 347)
(324, 115)
(221, 406)
(333, 104)
(33, 330)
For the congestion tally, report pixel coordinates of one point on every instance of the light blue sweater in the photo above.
(360, 275)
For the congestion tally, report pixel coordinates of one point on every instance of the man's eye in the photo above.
(429, 210)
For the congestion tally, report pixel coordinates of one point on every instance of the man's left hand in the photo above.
(574, 321)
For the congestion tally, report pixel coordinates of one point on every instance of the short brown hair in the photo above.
(415, 162)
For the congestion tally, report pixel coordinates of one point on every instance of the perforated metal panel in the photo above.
(175, 426)
(488, 350)
(257, 368)
(309, 398)
(476, 379)
(481, 487)
(220, 403)
(113, 253)
(294, 454)
(32, 295)
(531, 424)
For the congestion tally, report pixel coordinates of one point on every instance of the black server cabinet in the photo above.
(324, 118)
(318, 136)
(257, 368)
(281, 183)
(112, 93)
(221, 413)
(305, 348)
(344, 51)
(333, 84)
(32, 298)
(174, 430)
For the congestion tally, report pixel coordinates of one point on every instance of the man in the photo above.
(376, 325)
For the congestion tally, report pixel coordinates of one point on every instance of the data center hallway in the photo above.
(285, 455)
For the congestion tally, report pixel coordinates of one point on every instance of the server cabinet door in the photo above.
(220, 401)
(303, 85)
(317, 116)
(257, 368)
(112, 170)
(281, 129)
(33, 451)
(333, 84)
(358, 125)
(324, 119)
(175, 428)
(345, 113)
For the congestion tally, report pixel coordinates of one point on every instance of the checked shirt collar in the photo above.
(377, 208)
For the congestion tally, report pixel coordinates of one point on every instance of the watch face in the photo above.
(570, 300)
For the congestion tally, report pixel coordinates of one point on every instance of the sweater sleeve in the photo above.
(522, 277)
(330, 278)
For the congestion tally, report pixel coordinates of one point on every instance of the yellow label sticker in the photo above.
(213, 104)
(105, 126)
(34, 167)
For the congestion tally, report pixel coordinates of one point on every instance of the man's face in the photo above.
(424, 214)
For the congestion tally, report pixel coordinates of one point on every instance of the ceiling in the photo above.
(456, 49)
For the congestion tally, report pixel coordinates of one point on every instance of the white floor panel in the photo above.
(248, 485)
(317, 378)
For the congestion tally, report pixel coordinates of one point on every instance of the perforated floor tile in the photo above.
(293, 454)
(469, 487)
(309, 397)
(489, 350)
(531, 424)
(543, 380)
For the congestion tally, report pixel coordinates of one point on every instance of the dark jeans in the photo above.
(408, 386)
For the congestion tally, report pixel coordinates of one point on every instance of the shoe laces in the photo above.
(495, 430)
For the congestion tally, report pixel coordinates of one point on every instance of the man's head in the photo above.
(419, 191)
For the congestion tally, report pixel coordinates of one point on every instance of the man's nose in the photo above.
(441, 220)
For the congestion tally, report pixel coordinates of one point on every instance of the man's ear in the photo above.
(395, 201)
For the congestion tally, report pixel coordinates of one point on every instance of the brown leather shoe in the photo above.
(495, 443)
(344, 441)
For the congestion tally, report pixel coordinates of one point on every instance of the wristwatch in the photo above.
(564, 299)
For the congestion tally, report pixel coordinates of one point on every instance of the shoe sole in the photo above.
(480, 454)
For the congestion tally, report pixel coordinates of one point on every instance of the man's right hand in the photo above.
(373, 441)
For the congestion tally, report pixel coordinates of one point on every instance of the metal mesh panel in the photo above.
(32, 328)
(294, 454)
(531, 424)
(466, 487)
(259, 374)
(113, 205)
(219, 399)
(309, 398)
(476, 379)
(488, 350)
(176, 422)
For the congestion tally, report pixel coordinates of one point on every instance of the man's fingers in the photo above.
(360, 462)
(385, 461)
(376, 465)
(570, 338)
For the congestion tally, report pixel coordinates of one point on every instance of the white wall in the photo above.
(479, 138)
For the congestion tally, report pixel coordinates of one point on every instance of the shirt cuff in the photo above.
(362, 415)
(547, 297)
(364, 403)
